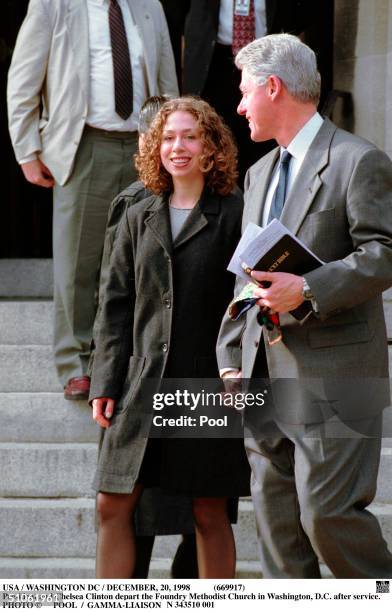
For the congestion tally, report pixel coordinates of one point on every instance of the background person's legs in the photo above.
(103, 167)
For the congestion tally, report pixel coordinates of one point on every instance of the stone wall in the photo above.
(363, 67)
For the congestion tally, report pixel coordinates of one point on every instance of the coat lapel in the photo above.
(198, 218)
(159, 224)
(77, 28)
(308, 181)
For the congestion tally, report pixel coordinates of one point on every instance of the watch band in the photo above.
(307, 292)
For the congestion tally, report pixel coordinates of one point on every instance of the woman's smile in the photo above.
(181, 146)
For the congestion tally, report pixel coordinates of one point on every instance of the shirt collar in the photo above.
(301, 142)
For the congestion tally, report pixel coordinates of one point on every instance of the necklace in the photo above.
(171, 205)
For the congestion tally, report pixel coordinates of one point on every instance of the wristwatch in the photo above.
(307, 292)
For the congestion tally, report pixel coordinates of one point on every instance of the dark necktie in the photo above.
(123, 89)
(281, 188)
(244, 26)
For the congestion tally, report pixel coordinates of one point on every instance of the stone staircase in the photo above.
(48, 450)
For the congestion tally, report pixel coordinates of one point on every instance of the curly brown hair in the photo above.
(219, 159)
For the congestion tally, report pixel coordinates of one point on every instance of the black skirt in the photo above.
(197, 467)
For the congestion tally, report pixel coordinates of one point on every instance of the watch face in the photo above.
(308, 295)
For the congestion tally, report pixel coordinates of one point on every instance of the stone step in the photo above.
(45, 417)
(40, 470)
(26, 278)
(30, 368)
(26, 358)
(74, 568)
(26, 322)
(31, 322)
(384, 481)
(47, 528)
(47, 470)
(42, 568)
(65, 528)
(388, 317)
(27, 368)
(48, 417)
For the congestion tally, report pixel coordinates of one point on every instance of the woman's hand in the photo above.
(103, 408)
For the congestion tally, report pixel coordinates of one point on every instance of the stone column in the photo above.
(363, 67)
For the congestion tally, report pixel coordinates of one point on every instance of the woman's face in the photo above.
(181, 146)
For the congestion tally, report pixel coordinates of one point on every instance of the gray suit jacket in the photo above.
(340, 206)
(49, 76)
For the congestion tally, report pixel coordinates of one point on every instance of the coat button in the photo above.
(167, 303)
(164, 347)
(256, 343)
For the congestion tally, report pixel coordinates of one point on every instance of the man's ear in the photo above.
(274, 86)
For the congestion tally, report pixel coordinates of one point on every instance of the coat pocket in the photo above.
(131, 383)
(338, 335)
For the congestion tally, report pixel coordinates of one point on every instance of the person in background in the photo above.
(156, 514)
(311, 485)
(166, 292)
(214, 31)
(80, 72)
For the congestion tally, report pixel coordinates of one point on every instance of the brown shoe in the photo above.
(77, 388)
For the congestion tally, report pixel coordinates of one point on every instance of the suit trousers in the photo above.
(103, 167)
(310, 492)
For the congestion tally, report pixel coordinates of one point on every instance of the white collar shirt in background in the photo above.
(225, 30)
(101, 111)
(298, 148)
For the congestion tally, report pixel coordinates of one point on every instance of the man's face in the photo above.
(256, 106)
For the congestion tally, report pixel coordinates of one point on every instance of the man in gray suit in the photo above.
(80, 72)
(333, 190)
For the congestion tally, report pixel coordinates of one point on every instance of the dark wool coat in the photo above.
(161, 316)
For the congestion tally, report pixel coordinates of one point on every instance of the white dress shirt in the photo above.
(225, 30)
(298, 148)
(101, 104)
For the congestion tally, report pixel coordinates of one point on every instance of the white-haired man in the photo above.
(333, 190)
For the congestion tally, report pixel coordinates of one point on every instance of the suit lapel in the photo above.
(308, 181)
(144, 23)
(159, 224)
(77, 28)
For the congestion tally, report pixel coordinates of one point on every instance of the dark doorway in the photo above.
(26, 211)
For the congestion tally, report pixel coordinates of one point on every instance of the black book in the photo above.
(273, 249)
(289, 255)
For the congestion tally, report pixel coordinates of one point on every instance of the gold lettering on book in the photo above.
(278, 261)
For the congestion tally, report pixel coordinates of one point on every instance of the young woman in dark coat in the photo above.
(166, 294)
